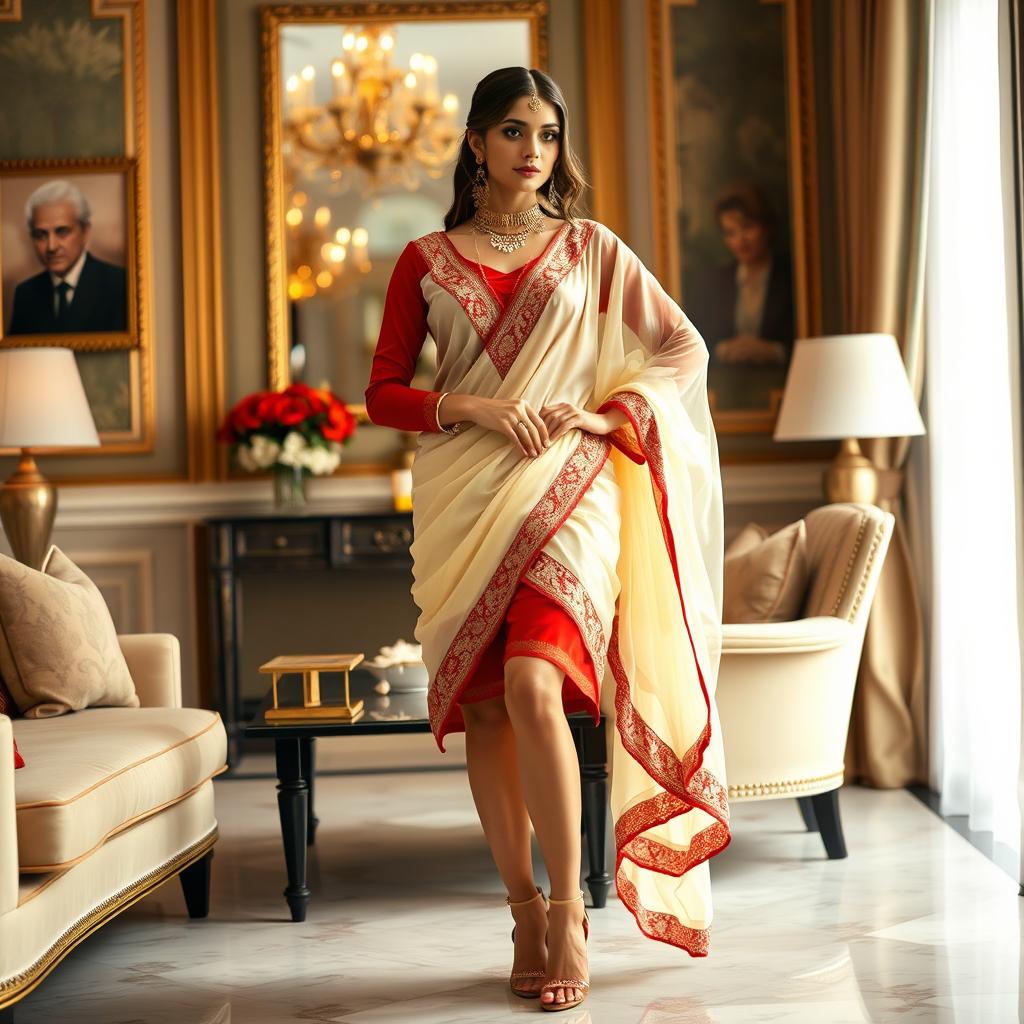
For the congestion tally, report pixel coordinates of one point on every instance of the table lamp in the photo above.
(42, 405)
(844, 387)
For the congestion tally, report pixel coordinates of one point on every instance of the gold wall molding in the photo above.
(606, 112)
(201, 243)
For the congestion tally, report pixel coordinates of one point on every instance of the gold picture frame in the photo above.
(20, 177)
(800, 148)
(117, 362)
(272, 18)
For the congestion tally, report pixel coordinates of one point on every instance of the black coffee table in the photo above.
(398, 713)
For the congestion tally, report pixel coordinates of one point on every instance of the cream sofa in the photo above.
(785, 690)
(111, 803)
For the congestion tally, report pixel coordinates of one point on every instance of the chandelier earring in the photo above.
(481, 186)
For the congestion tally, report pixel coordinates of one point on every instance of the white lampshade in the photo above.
(847, 386)
(42, 401)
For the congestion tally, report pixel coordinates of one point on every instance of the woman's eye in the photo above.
(509, 131)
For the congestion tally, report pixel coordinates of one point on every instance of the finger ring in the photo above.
(520, 423)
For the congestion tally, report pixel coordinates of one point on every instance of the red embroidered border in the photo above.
(521, 316)
(447, 270)
(482, 623)
(686, 783)
(562, 585)
(430, 402)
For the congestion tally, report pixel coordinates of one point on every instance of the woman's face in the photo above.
(744, 237)
(525, 139)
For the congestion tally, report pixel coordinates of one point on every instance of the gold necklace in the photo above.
(483, 275)
(496, 226)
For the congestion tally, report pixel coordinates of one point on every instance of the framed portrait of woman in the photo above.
(735, 191)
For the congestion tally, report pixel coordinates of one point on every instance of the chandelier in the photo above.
(389, 123)
(322, 258)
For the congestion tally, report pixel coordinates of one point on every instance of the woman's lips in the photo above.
(527, 172)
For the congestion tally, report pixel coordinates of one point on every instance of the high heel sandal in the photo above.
(564, 983)
(525, 993)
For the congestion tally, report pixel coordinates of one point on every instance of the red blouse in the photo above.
(390, 401)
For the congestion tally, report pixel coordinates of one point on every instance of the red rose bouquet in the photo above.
(299, 427)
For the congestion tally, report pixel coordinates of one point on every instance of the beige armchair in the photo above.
(785, 690)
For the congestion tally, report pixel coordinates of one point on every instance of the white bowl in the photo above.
(407, 678)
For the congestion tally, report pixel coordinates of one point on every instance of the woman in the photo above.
(567, 517)
(745, 309)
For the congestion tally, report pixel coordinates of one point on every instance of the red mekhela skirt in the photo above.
(536, 626)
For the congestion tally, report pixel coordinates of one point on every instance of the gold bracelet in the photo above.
(452, 428)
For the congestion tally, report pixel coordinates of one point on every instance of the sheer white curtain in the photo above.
(971, 383)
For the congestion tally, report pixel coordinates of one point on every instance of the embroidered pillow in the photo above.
(10, 709)
(58, 646)
(765, 576)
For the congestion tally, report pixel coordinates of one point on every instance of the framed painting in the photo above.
(736, 191)
(74, 226)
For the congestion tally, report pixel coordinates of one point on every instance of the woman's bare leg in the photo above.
(493, 771)
(550, 777)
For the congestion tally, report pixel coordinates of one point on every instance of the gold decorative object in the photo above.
(42, 405)
(28, 505)
(851, 476)
(389, 123)
(312, 709)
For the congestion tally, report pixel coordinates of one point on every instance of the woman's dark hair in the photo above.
(749, 199)
(493, 97)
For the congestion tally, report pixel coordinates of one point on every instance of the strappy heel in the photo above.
(580, 983)
(516, 975)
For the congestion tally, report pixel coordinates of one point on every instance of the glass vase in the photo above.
(289, 488)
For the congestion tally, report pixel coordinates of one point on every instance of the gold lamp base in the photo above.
(851, 476)
(28, 505)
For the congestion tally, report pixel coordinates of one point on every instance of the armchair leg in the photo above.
(195, 884)
(826, 813)
(807, 813)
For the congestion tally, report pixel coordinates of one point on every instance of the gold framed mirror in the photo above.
(364, 107)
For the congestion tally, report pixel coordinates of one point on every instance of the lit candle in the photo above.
(308, 89)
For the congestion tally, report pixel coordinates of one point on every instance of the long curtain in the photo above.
(972, 378)
(880, 93)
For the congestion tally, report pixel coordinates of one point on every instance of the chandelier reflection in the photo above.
(322, 258)
(391, 124)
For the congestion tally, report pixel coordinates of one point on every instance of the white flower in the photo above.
(293, 450)
(402, 653)
(263, 450)
(320, 461)
(245, 459)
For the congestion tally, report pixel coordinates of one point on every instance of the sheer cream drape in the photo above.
(881, 60)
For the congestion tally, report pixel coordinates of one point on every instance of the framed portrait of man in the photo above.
(68, 273)
(735, 192)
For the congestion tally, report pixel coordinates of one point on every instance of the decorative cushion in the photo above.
(96, 773)
(10, 709)
(766, 576)
(58, 646)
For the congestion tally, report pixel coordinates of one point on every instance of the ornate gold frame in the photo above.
(135, 257)
(132, 15)
(271, 20)
(803, 174)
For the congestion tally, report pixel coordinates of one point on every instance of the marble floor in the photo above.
(408, 923)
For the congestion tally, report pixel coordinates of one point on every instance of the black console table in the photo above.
(242, 546)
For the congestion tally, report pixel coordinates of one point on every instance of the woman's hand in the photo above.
(563, 416)
(516, 419)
